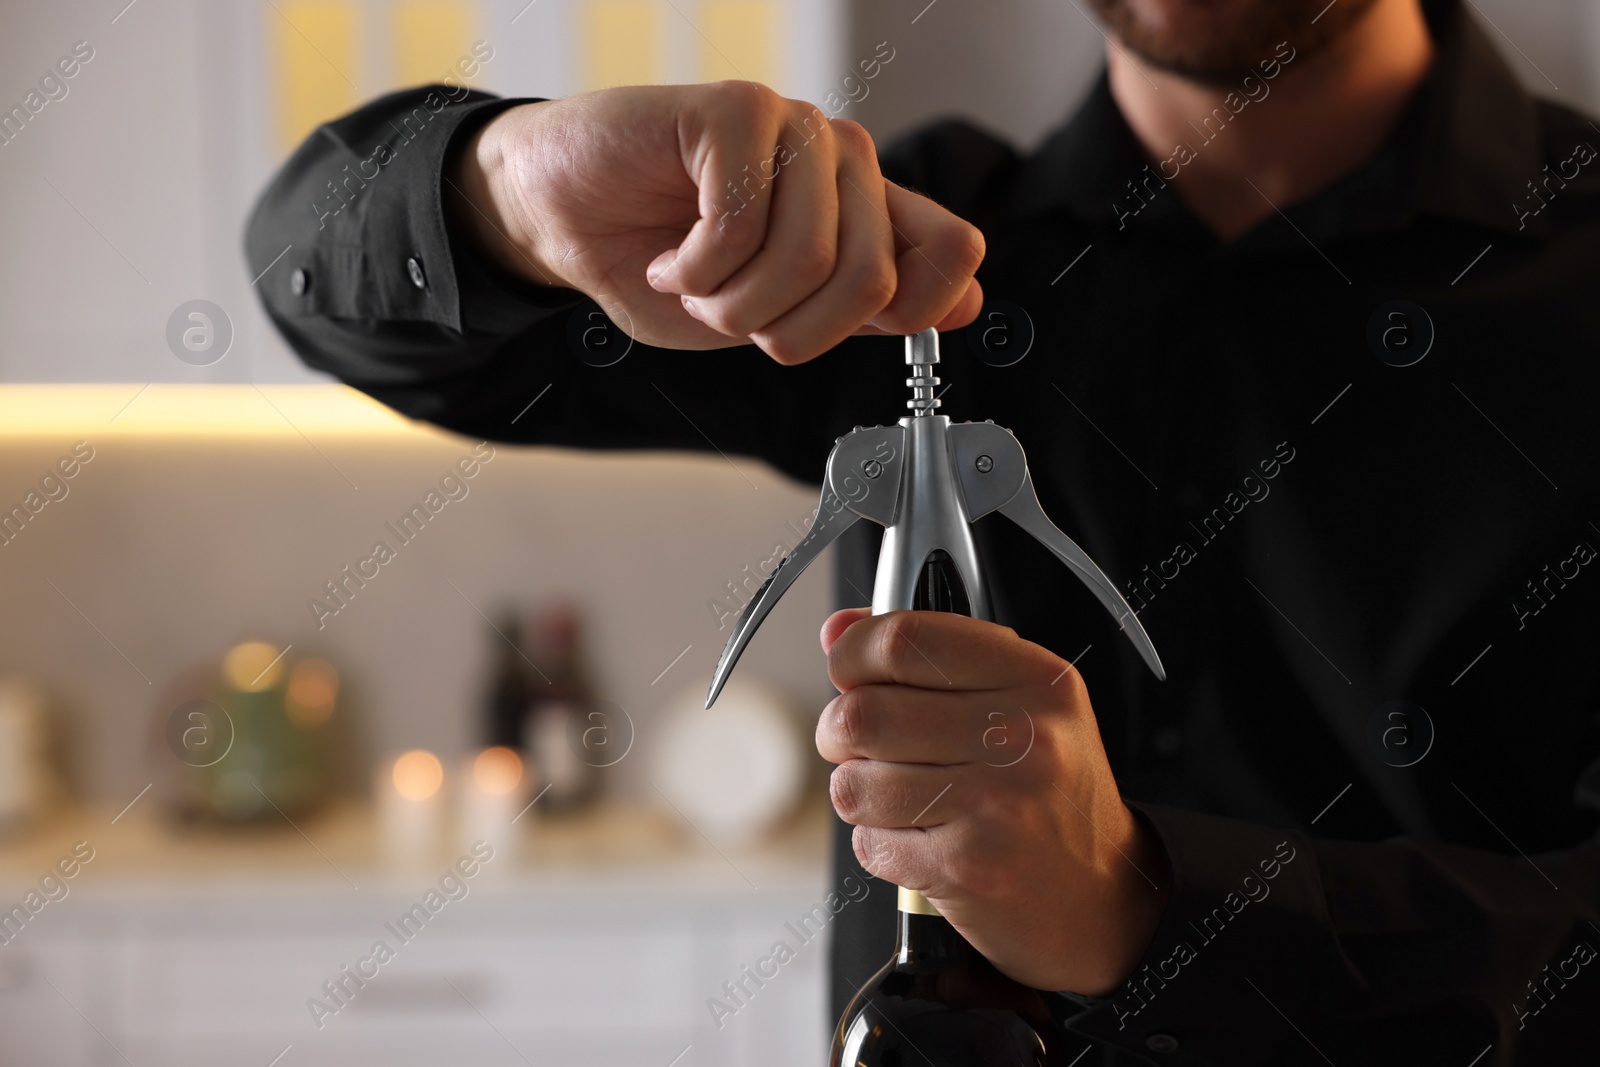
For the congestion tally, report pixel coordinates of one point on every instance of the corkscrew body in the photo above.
(926, 480)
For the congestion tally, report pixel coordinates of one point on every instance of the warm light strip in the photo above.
(163, 410)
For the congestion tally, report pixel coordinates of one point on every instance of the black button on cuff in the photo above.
(414, 268)
(1161, 1043)
(299, 282)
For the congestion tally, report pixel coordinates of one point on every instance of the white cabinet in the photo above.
(587, 972)
(46, 980)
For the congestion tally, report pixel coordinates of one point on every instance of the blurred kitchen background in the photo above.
(246, 789)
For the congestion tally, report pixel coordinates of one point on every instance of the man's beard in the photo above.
(1196, 42)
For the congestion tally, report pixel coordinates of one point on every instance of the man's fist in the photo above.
(971, 766)
(704, 216)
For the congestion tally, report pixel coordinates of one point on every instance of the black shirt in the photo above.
(1375, 765)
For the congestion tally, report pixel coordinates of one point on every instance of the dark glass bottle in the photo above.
(938, 1002)
(560, 709)
(510, 686)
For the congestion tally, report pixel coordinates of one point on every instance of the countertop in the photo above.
(143, 850)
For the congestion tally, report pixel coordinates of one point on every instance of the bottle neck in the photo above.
(924, 935)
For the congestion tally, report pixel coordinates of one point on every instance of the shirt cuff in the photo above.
(1246, 921)
(490, 299)
(353, 227)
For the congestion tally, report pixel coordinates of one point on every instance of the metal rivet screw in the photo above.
(871, 468)
(985, 464)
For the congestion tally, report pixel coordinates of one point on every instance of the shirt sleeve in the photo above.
(1279, 948)
(360, 273)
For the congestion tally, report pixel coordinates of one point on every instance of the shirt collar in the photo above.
(1465, 148)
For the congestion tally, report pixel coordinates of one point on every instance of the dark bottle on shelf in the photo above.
(558, 712)
(510, 685)
(938, 1002)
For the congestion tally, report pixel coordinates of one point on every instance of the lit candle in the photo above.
(494, 792)
(411, 807)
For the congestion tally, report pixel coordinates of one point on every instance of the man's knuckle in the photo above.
(810, 125)
(784, 348)
(1071, 684)
(813, 259)
(853, 137)
(747, 99)
(844, 791)
(954, 874)
(963, 870)
(902, 316)
(722, 317)
(849, 717)
(872, 851)
(699, 278)
(872, 284)
(965, 248)
(992, 807)
(742, 244)
(894, 645)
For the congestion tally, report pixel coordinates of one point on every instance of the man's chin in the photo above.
(1216, 42)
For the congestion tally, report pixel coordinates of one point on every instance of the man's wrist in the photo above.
(481, 204)
(1141, 886)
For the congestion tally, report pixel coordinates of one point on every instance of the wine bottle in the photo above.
(938, 1002)
(510, 687)
(560, 708)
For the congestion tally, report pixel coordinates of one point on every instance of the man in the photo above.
(1310, 372)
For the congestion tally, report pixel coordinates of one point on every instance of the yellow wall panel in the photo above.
(314, 53)
(740, 40)
(430, 36)
(621, 42)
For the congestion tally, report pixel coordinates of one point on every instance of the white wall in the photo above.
(168, 550)
(163, 142)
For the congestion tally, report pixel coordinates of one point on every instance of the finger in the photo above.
(836, 624)
(896, 796)
(914, 858)
(964, 314)
(966, 310)
(729, 152)
(863, 279)
(937, 650)
(801, 245)
(937, 255)
(899, 724)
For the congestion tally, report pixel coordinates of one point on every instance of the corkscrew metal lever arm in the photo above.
(926, 480)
